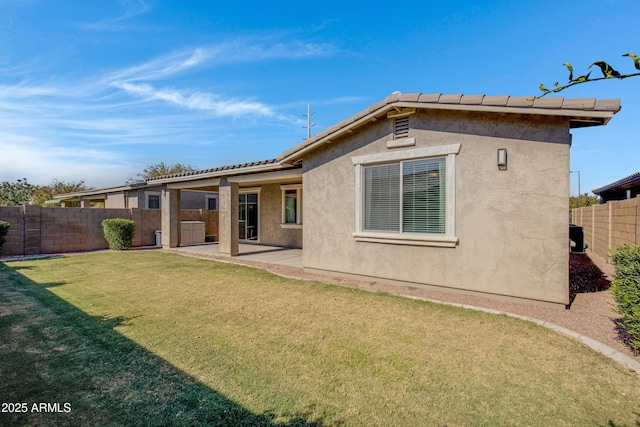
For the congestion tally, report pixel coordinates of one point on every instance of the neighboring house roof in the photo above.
(626, 183)
(100, 193)
(582, 112)
(258, 166)
(241, 168)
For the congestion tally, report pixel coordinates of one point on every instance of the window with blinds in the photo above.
(407, 196)
(382, 197)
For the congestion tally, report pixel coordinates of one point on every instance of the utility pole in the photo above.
(579, 195)
(309, 125)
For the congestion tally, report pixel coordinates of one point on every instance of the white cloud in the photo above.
(133, 8)
(23, 90)
(228, 52)
(87, 129)
(198, 100)
(135, 80)
(162, 67)
(41, 162)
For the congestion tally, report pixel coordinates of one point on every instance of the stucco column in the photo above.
(228, 231)
(170, 207)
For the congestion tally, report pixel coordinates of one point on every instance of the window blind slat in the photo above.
(424, 196)
(382, 197)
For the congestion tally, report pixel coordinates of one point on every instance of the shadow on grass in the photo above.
(637, 422)
(87, 374)
(585, 276)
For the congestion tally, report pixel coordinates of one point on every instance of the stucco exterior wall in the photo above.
(504, 248)
(271, 232)
(194, 199)
(116, 200)
(137, 198)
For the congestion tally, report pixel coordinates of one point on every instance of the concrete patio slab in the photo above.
(269, 254)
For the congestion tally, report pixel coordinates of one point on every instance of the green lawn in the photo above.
(149, 338)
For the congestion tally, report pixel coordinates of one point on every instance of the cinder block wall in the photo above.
(15, 238)
(609, 226)
(35, 230)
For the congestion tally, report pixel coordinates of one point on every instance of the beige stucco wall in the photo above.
(195, 199)
(137, 198)
(270, 211)
(115, 200)
(512, 225)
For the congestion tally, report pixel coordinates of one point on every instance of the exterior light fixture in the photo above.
(502, 159)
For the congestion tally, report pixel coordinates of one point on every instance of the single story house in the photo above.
(136, 195)
(624, 188)
(453, 192)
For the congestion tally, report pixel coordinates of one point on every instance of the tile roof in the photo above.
(632, 180)
(568, 107)
(216, 169)
(585, 112)
(582, 111)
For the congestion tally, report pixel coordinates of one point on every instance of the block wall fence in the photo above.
(609, 226)
(35, 230)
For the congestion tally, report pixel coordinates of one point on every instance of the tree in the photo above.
(46, 192)
(16, 193)
(160, 169)
(608, 72)
(585, 200)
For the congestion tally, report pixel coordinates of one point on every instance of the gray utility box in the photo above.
(191, 232)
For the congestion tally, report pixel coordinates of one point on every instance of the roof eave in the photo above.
(621, 184)
(219, 173)
(99, 192)
(578, 118)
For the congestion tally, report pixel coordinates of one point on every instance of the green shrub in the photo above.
(4, 229)
(626, 290)
(119, 233)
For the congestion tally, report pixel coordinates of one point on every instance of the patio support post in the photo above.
(228, 231)
(170, 207)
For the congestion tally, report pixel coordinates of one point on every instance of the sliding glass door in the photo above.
(248, 215)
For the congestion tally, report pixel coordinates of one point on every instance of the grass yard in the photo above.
(149, 338)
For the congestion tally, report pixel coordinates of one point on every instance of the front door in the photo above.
(248, 215)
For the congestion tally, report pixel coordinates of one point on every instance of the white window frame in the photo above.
(298, 188)
(209, 197)
(448, 239)
(152, 193)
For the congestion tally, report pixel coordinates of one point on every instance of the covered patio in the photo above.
(257, 203)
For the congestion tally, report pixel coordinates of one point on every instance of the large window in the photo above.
(407, 197)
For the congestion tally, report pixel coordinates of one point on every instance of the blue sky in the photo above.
(96, 91)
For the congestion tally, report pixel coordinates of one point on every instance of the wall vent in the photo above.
(401, 128)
